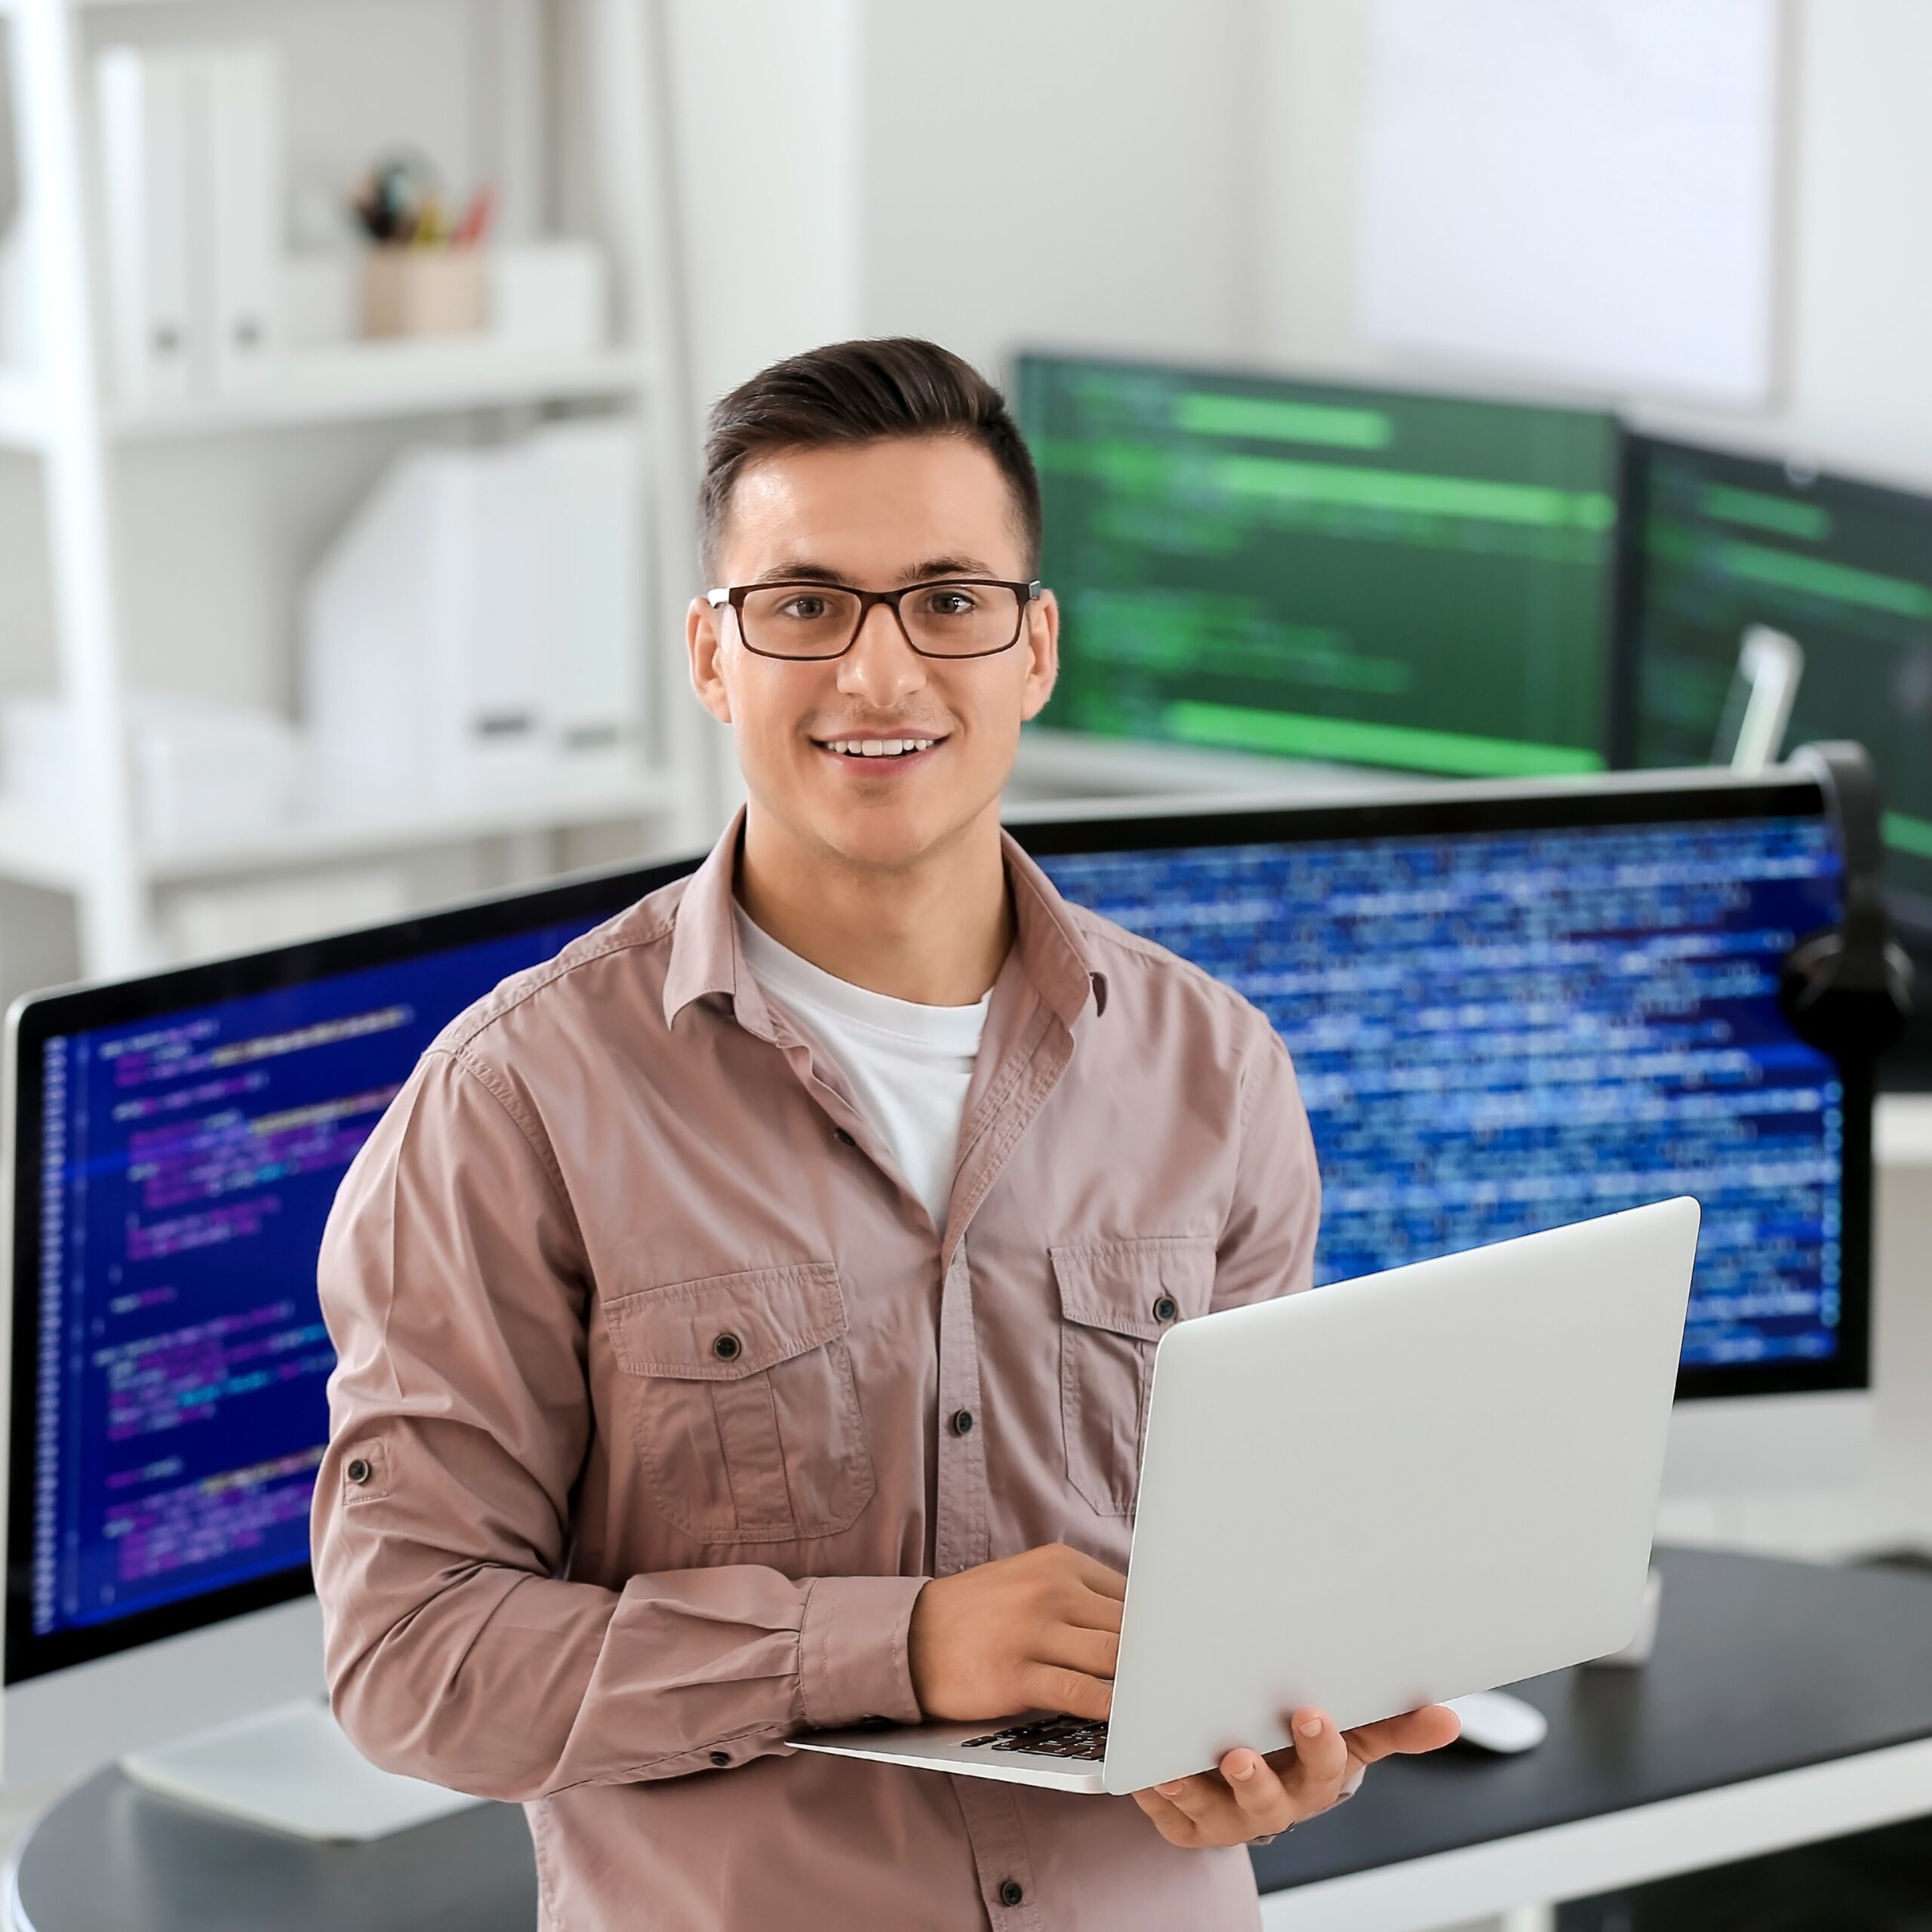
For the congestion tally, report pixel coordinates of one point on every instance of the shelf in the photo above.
(23, 415)
(363, 381)
(348, 834)
(37, 848)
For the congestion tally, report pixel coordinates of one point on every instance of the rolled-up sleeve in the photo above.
(1267, 1243)
(455, 1285)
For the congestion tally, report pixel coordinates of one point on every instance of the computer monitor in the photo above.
(1355, 575)
(1722, 543)
(1725, 541)
(1511, 1007)
(175, 1142)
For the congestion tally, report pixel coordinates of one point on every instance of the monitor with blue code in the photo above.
(185, 1157)
(1353, 575)
(1504, 1023)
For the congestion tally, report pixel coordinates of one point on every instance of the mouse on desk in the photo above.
(1494, 1720)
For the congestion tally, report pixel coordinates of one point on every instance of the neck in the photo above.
(935, 931)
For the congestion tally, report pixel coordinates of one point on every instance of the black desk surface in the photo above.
(1761, 1667)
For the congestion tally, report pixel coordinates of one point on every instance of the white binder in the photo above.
(479, 624)
(244, 200)
(148, 100)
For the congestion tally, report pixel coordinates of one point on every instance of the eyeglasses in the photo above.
(954, 617)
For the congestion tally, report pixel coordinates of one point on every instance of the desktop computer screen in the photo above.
(1508, 1013)
(1355, 575)
(180, 1142)
(1724, 542)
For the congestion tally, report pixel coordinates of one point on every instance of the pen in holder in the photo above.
(423, 277)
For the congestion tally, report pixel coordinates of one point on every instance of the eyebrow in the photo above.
(801, 572)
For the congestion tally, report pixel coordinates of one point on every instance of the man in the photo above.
(746, 1318)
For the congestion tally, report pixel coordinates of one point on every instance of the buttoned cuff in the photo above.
(853, 1662)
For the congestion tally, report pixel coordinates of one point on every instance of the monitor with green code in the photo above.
(1362, 576)
(1725, 541)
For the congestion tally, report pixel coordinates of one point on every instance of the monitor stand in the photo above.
(1636, 1652)
(291, 1769)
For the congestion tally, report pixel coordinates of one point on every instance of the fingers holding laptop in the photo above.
(1249, 1797)
(1038, 1630)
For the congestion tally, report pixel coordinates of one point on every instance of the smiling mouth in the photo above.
(876, 751)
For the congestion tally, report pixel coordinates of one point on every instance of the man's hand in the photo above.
(1041, 1630)
(1250, 1797)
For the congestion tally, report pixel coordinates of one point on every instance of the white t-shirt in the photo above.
(908, 1066)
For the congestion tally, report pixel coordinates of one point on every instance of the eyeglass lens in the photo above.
(820, 620)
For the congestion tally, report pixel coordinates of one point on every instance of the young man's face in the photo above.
(874, 516)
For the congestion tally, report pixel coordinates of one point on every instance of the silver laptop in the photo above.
(1467, 1453)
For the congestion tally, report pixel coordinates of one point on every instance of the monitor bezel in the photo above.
(37, 1017)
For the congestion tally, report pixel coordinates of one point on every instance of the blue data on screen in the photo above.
(189, 1164)
(1499, 1032)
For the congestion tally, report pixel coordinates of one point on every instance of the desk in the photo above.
(1786, 1703)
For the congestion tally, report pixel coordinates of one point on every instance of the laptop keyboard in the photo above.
(1048, 1738)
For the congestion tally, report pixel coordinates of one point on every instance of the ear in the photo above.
(1042, 646)
(705, 642)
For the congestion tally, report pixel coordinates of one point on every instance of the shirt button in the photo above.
(962, 1422)
(1012, 1892)
(358, 1472)
(721, 1759)
(1165, 1308)
(843, 1139)
(728, 1348)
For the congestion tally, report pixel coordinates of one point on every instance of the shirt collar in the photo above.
(1049, 944)
(705, 957)
(704, 939)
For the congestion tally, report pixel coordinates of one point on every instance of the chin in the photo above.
(886, 840)
(890, 834)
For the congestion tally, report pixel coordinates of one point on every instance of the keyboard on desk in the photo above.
(1048, 1738)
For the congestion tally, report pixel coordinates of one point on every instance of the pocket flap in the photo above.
(1120, 1285)
(727, 1325)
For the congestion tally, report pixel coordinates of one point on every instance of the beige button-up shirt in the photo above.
(650, 1416)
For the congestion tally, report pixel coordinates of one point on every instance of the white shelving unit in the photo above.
(66, 413)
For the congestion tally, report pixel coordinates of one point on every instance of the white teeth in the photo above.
(878, 747)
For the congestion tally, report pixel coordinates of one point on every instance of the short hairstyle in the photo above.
(861, 392)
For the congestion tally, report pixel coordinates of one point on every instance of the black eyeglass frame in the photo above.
(1024, 594)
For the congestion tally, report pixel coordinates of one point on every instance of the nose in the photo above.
(881, 669)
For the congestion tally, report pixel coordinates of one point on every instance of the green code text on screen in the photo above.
(1414, 581)
(1844, 567)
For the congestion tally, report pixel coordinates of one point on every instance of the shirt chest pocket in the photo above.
(743, 1405)
(1117, 1299)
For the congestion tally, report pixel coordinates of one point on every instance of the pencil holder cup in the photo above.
(424, 291)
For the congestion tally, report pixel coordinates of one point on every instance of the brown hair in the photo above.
(861, 392)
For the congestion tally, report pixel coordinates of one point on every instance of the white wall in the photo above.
(1854, 386)
(768, 177)
(1065, 171)
(1082, 173)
